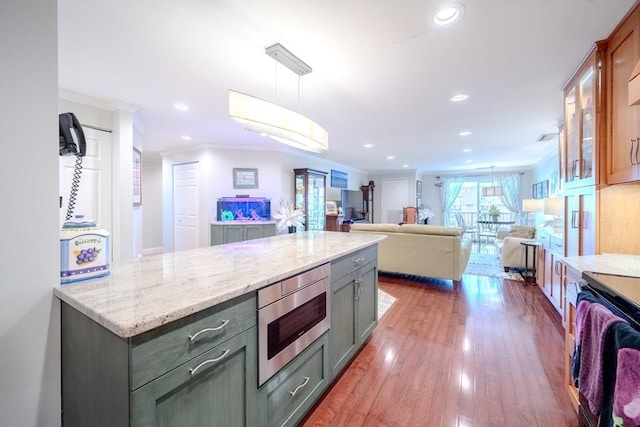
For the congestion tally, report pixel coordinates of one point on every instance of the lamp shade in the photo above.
(554, 206)
(278, 123)
(492, 191)
(532, 205)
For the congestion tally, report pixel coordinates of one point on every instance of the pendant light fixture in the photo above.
(276, 122)
(492, 190)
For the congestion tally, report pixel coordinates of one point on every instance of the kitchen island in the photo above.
(129, 351)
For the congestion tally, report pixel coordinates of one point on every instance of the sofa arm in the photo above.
(513, 253)
(502, 233)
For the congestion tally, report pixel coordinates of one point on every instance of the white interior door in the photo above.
(93, 198)
(394, 195)
(186, 207)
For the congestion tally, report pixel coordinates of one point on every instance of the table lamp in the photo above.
(554, 206)
(532, 205)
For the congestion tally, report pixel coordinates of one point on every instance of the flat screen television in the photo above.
(351, 202)
(243, 209)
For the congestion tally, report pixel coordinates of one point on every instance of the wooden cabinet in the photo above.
(171, 375)
(354, 302)
(367, 201)
(572, 278)
(216, 388)
(286, 397)
(550, 271)
(334, 222)
(310, 195)
(581, 221)
(239, 232)
(583, 123)
(623, 52)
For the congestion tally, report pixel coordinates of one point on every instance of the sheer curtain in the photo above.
(449, 191)
(510, 198)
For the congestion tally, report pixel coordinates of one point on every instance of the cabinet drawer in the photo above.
(556, 244)
(216, 388)
(162, 349)
(349, 263)
(286, 397)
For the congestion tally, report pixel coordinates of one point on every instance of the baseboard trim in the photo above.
(152, 251)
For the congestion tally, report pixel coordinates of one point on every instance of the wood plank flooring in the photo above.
(484, 352)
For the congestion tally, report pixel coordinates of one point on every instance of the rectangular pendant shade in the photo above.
(278, 123)
(492, 191)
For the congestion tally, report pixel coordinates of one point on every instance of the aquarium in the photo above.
(243, 209)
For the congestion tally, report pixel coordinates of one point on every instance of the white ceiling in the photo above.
(382, 74)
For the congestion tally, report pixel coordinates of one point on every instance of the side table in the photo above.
(529, 275)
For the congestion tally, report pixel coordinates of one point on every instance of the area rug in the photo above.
(489, 265)
(384, 302)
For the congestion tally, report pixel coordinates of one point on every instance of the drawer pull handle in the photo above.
(194, 336)
(206, 362)
(359, 260)
(295, 390)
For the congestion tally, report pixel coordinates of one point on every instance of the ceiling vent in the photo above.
(547, 137)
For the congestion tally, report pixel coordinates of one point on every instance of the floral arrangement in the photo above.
(288, 216)
(424, 213)
(494, 211)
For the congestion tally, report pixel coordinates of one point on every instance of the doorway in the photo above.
(186, 206)
(394, 195)
(93, 199)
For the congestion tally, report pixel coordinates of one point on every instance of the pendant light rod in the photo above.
(288, 59)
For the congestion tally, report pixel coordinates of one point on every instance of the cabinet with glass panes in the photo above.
(310, 191)
(583, 128)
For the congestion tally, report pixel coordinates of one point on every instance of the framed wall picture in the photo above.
(331, 207)
(535, 191)
(418, 189)
(137, 177)
(245, 178)
(544, 191)
(339, 179)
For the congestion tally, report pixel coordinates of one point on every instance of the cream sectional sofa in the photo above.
(422, 250)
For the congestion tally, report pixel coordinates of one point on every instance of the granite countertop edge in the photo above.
(141, 295)
(616, 264)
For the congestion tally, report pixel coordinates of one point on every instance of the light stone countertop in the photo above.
(617, 264)
(141, 295)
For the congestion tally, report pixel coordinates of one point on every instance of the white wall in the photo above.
(30, 248)
(151, 205)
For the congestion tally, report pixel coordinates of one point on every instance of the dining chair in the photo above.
(466, 229)
(410, 215)
(487, 229)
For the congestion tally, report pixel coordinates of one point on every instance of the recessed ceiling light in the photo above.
(390, 157)
(180, 106)
(465, 133)
(466, 150)
(460, 97)
(469, 161)
(405, 166)
(264, 134)
(186, 137)
(368, 145)
(449, 14)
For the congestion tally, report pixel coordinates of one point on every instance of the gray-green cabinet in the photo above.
(198, 371)
(216, 388)
(288, 395)
(354, 302)
(239, 232)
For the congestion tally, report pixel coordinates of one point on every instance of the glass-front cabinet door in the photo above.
(583, 103)
(310, 186)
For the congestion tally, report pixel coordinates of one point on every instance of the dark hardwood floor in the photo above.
(485, 352)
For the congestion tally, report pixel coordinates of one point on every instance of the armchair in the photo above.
(509, 249)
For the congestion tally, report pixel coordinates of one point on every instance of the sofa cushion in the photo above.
(522, 232)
